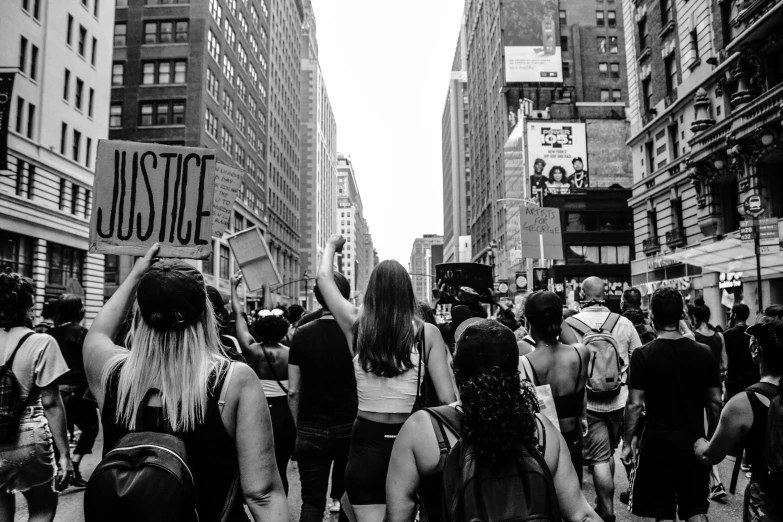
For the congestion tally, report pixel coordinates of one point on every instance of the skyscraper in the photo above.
(60, 52)
(319, 157)
(422, 264)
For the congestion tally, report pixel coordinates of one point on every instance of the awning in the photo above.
(729, 255)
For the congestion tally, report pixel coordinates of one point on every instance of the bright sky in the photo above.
(386, 67)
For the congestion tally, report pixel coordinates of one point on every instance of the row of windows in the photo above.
(170, 112)
(81, 44)
(78, 93)
(601, 17)
(124, 3)
(155, 32)
(34, 7)
(76, 145)
(604, 68)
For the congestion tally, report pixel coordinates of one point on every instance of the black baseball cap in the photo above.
(171, 295)
(485, 344)
(543, 305)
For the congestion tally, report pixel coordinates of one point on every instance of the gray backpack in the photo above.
(605, 368)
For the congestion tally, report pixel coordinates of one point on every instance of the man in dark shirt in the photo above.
(82, 412)
(322, 398)
(742, 371)
(676, 379)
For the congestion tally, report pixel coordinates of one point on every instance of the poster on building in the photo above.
(227, 183)
(6, 95)
(531, 32)
(147, 193)
(255, 262)
(557, 158)
(541, 233)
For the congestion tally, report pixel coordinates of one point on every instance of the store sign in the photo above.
(659, 260)
(730, 280)
(521, 281)
(680, 283)
(531, 40)
(769, 236)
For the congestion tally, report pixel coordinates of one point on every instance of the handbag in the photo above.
(426, 394)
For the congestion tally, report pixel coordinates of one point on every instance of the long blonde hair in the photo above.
(178, 363)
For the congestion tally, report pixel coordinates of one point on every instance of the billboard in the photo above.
(531, 41)
(556, 158)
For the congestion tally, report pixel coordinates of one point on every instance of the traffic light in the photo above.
(540, 279)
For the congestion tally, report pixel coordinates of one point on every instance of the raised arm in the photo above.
(99, 345)
(243, 332)
(344, 311)
(439, 364)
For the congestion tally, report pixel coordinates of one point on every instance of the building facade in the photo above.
(319, 159)
(285, 165)
(61, 53)
(706, 136)
(424, 255)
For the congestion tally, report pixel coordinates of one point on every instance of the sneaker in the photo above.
(334, 506)
(745, 468)
(625, 496)
(717, 492)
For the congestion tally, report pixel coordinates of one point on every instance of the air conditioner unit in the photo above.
(540, 115)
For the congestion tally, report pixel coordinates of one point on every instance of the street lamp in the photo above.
(306, 276)
(491, 254)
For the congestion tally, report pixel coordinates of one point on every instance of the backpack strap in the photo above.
(527, 364)
(234, 489)
(10, 360)
(611, 321)
(272, 369)
(422, 348)
(224, 389)
(766, 389)
(452, 419)
(578, 325)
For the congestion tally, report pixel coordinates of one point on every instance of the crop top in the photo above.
(387, 394)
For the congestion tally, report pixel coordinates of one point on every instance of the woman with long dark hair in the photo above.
(498, 415)
(393, 351)
(173, 374)
(562, 366)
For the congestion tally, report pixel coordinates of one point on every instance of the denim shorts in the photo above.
(28, 462)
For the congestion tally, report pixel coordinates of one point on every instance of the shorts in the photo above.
(368, 461)
(29, 461)
(667, 479)
(604, 431)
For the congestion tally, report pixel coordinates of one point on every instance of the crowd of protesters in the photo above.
(389, 412)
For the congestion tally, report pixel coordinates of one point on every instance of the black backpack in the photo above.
(520, 489)
(11, 403)
(147, 476)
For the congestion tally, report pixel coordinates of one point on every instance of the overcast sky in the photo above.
(386, 67)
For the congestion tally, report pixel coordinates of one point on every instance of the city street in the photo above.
(70, 508)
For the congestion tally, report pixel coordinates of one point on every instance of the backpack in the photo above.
(521, 488)
(773, 441)
(11, 403)
(147, 476)
(647, 333)
(605, 368)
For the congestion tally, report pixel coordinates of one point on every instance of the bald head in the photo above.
(593, 289)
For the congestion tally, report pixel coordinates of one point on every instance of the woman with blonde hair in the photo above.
(171, 377)
(393, 351)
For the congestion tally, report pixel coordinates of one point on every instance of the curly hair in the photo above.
(17, 296)
(499, 413)
(270, 329)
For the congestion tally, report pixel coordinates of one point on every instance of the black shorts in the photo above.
(368, 461)
(667, 479)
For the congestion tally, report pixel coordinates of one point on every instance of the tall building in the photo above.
(358, 258)
(61, 54)
(196, 74)
(284, 187)
(422, 265)
(456, 171)
(706, 92)
(319, 158)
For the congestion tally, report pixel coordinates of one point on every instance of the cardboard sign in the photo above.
(456, 275)
(541, 233)
(253, 258)
(227, 183)
(147, 193)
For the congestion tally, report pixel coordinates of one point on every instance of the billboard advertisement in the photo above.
(556, 158)
(531, 41)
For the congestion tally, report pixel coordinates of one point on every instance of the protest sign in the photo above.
(541, 233)
(147, 193)
(252, 256)
(227, 183)
(472, 275)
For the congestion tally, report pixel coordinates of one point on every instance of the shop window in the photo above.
(111, 269)
(16, 253)
(62, 264)
(225, 265)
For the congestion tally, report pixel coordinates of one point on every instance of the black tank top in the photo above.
(211, 450)
(753, 441)
(571, 404)
(713, 342)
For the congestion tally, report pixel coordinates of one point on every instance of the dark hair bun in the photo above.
(16, 299)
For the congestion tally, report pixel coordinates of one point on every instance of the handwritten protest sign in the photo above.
(541, 234)
(253, 258)
(147, 193)
(227, 182)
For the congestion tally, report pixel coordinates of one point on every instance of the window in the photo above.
(69, 31)
(210, 124)
(674, 141)
(82, 40)
(90, 102)
(213, 45)
(617, 95)
(225, 260)
(213, 84)
(611, 18)
(115, 115)
(594, 254)
(226, 140)
(215, 10)
(93, 53)
(604, 95)
(232, 6)
(678, 224)
(95, 8)
(33, 62)
(19, 113)
(163, 72)
(165, 2)
(208, 265)
(228, 31)
(646, 94)
(562, 17)
(74, 198)
(652, 224)
(62, 264)
(22, 53)
(117, 73)
(601, 44)
(599, 18)
(615, 69)
(228, 69)
(63, 188)
(613, 45)
(87, 152)
(181, 31)
(165, 32)
(162, 113)
(649, 155)
(67, 85)
(254, 15)
(228, 104)
(76, 145)
(63, 137)
(693, 39)
(20, 177)
(671, 73)
(666, 12)
(566, 70)
(242, 56)
(243, 24)
(16, 252)
(603, 69)
(120, 31)
(78, 93)
(642, 28)
(87, 203)
(30, 120)
(122, 3)
(564, 43)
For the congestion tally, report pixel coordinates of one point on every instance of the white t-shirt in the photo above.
(38, 362)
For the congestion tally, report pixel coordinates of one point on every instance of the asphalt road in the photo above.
(729, 510)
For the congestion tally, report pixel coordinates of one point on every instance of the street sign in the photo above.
(769, 236)
(753, 206)
(501, 288)
(747, 232)
(521, 282)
